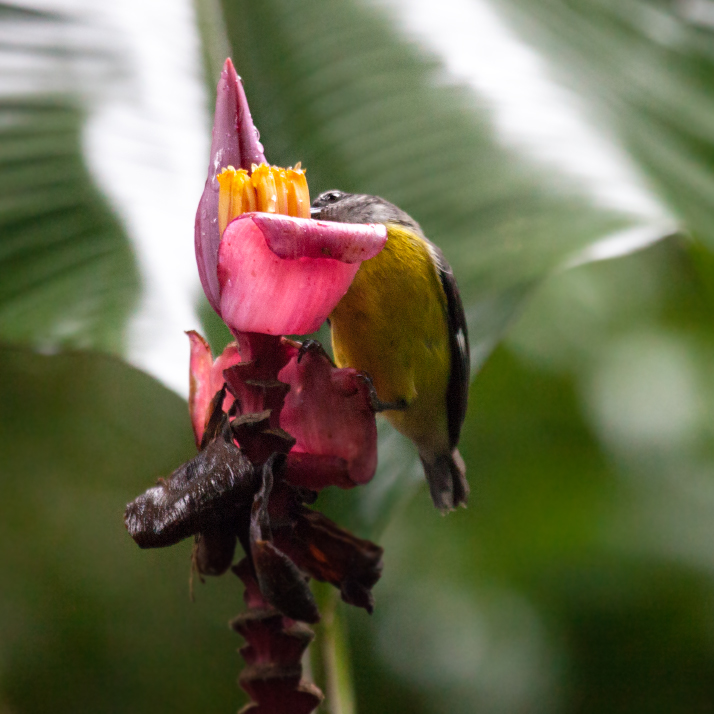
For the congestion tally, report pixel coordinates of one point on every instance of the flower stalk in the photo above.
(273, 653)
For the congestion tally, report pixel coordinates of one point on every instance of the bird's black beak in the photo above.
(315, 212)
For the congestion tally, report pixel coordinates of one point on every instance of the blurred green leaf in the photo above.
(67, 274)
(577, 580)
(646, 70)
(89, 623)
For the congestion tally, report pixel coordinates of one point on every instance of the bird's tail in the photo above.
(446, 475)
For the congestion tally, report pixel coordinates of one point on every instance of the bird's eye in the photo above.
(324, 200)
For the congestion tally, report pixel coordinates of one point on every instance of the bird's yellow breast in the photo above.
(392, 324)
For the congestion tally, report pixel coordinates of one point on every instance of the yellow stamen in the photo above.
(281, 189)
(269, 189)
(236, 195)
(265, 190)
(298, 193)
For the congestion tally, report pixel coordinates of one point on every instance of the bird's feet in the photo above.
(375, 402)
(314, 347)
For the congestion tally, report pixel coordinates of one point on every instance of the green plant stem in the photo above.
(331, 654)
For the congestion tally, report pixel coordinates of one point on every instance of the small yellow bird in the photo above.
(402, 323)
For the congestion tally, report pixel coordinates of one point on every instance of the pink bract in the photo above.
(269, 273)
(270, 277)
(206, 378)
(235, 143)
(328, 411)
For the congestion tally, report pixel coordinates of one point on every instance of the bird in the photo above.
(402, 325)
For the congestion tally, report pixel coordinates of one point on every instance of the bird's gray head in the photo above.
(359, 208)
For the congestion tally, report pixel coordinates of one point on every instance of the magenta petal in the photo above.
(235, 143)
(327, 411)
(294, 238)
(206, 378)
(317, 472)
(261, 292)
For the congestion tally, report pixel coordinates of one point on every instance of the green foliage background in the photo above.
(580, 577)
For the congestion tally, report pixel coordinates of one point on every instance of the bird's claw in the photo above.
(375, 402)
(314, 347)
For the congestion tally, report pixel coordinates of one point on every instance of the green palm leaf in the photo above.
(67, 274)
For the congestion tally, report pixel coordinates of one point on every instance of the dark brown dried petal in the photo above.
(258, 439)
(280, 581)
(282, 584)
(326, 552)
(215, 422)
(195, 498)
(214, 550)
